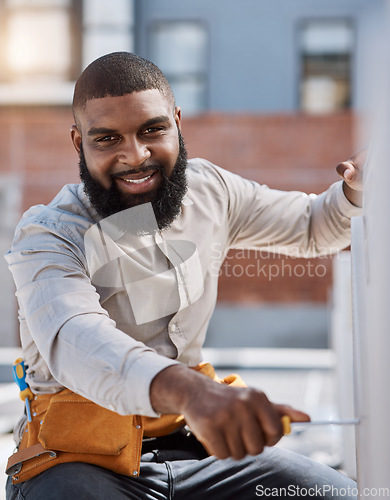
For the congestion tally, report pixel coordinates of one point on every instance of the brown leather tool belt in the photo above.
(67, 427)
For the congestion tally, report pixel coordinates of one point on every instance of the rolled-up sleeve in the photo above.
(75, 338)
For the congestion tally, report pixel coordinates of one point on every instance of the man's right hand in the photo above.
(229, 421)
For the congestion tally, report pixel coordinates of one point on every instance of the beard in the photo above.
(166, 201)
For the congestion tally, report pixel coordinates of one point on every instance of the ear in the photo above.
(177, 117)
(75, 135)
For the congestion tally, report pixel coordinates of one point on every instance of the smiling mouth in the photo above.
(136, 177)
(138, 181)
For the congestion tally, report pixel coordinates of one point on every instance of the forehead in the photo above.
(135, 108)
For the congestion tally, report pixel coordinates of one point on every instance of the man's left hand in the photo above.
(351, 171)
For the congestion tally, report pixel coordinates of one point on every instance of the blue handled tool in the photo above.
(19, 374)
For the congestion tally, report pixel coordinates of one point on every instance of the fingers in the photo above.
(258, 422)
(253, 437)
(237, 442)
(236, 445)
(236, 421)
(228, 421)
(295, 415)
(289, 415)
(254, 434)
(247, 424)
(216, 445)
(346, 171)
(351, 172)
(269, 419)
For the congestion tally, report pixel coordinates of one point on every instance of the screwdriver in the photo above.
(286, 422)
(19, 374)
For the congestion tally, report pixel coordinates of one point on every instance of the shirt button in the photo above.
(173, 328)
(135, 473)
(138, 426)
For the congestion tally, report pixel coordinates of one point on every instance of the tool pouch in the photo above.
(66, 427)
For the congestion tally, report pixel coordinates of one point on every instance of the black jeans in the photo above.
(276, 473)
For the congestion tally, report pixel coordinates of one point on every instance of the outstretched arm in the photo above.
(229, 421)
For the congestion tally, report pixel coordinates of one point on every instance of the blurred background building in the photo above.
(269, 90)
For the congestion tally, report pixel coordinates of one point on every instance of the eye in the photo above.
(153, 130)
(107, 141)
(107, 138)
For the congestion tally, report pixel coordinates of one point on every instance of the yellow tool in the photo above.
(286, 422)
(19, 374)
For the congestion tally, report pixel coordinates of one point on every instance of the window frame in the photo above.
(204, 74)
(299, 78)
(15, 91)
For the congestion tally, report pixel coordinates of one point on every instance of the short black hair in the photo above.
(117, 74)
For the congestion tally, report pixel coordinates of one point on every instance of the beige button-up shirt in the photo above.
(104, 308)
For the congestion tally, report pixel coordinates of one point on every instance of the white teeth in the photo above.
(138, 181)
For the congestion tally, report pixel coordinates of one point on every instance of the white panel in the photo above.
(179, 47)
(10, 204)
(342, 345)
(326, 37)
(189, 95)
(36, 39)
(319, 94)
(37, 3)
(371, 277)
(103, 12)
(108, 27)
(37, 92)
(98, 43)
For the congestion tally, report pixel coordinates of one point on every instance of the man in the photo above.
(116, 283)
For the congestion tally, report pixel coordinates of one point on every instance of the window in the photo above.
(179, 48)
(45, 44)
(107, 29)
(10, 204)
(39, 40)
(326, 53)
(40, 50)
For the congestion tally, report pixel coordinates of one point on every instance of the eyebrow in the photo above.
(106, 131)
(157, 119)
(100, 131)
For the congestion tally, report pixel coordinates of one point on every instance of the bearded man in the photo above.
(116, 282)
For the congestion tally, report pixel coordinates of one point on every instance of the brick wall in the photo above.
(284, 151)
(37, 147)
(291, 152)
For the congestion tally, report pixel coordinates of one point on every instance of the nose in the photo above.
(133, 153)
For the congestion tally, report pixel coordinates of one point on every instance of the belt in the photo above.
(180, 440)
